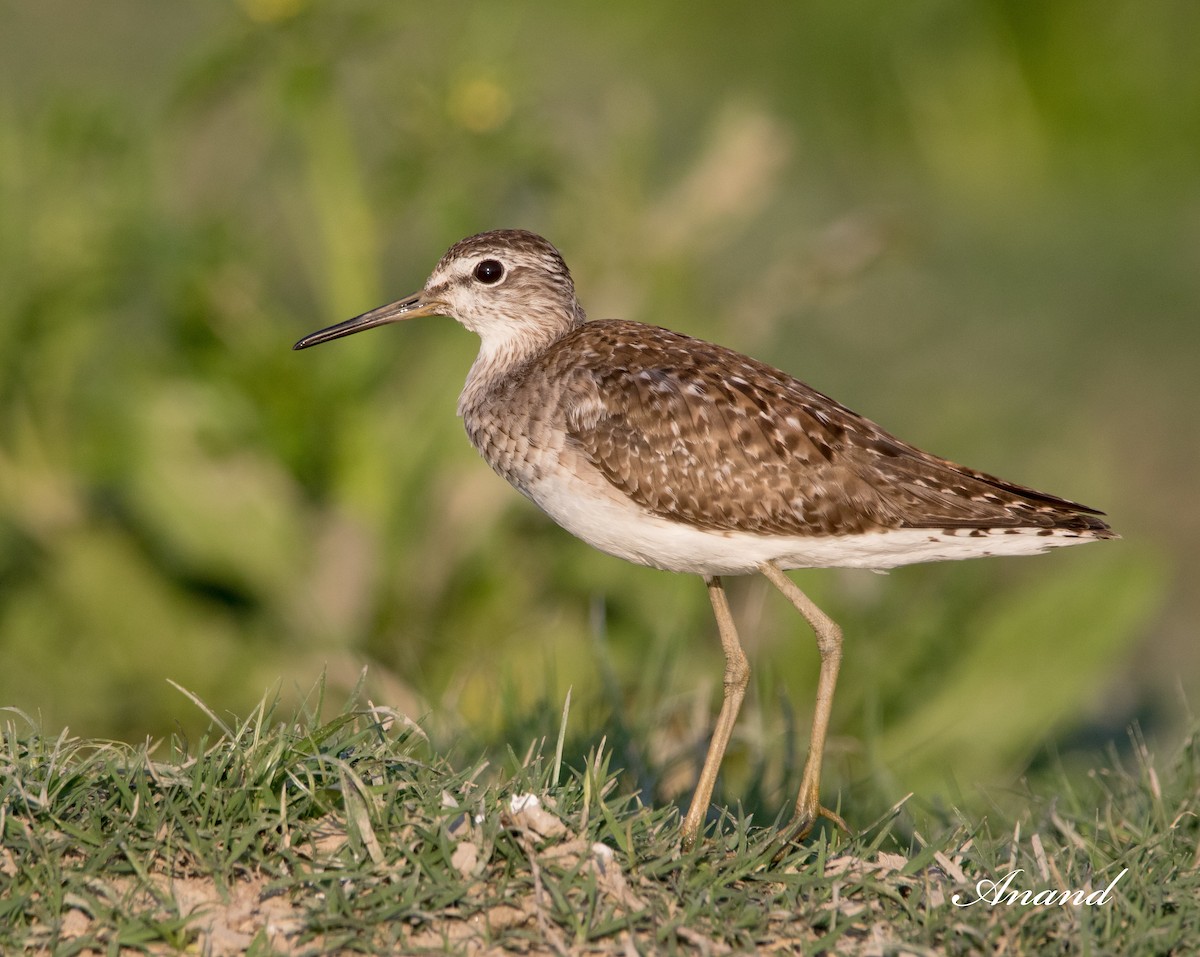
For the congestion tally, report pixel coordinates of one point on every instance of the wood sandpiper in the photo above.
(676, 453)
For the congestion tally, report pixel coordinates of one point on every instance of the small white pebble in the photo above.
(523, 802)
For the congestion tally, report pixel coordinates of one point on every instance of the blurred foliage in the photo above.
(978, 223)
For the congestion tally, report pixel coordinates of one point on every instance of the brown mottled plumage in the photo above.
(677, 453)
(697, 433)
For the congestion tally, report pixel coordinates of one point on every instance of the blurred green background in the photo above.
(977, 223)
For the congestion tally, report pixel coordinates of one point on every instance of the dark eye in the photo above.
(489, 271)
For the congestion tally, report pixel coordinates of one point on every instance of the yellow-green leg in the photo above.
(737, 676)
(829, 644)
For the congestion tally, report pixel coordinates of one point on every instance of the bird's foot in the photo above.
(801, 825)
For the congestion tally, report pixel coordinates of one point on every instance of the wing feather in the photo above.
(701, 434)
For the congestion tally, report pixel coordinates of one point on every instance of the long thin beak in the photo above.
(407, 308)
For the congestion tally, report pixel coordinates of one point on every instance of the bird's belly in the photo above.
(581, 501)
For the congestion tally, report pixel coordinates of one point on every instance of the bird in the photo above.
(673, 452)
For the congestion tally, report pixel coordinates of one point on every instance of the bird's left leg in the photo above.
(829, 644)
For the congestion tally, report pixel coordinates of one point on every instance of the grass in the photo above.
(354, 835)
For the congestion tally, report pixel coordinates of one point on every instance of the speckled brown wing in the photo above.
(701, 434)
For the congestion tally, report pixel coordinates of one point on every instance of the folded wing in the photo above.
(700, 434)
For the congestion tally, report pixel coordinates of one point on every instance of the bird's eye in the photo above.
(489, 272)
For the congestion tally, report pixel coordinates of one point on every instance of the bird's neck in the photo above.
(502, 356)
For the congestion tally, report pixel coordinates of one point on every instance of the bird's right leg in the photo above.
(737, 676)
